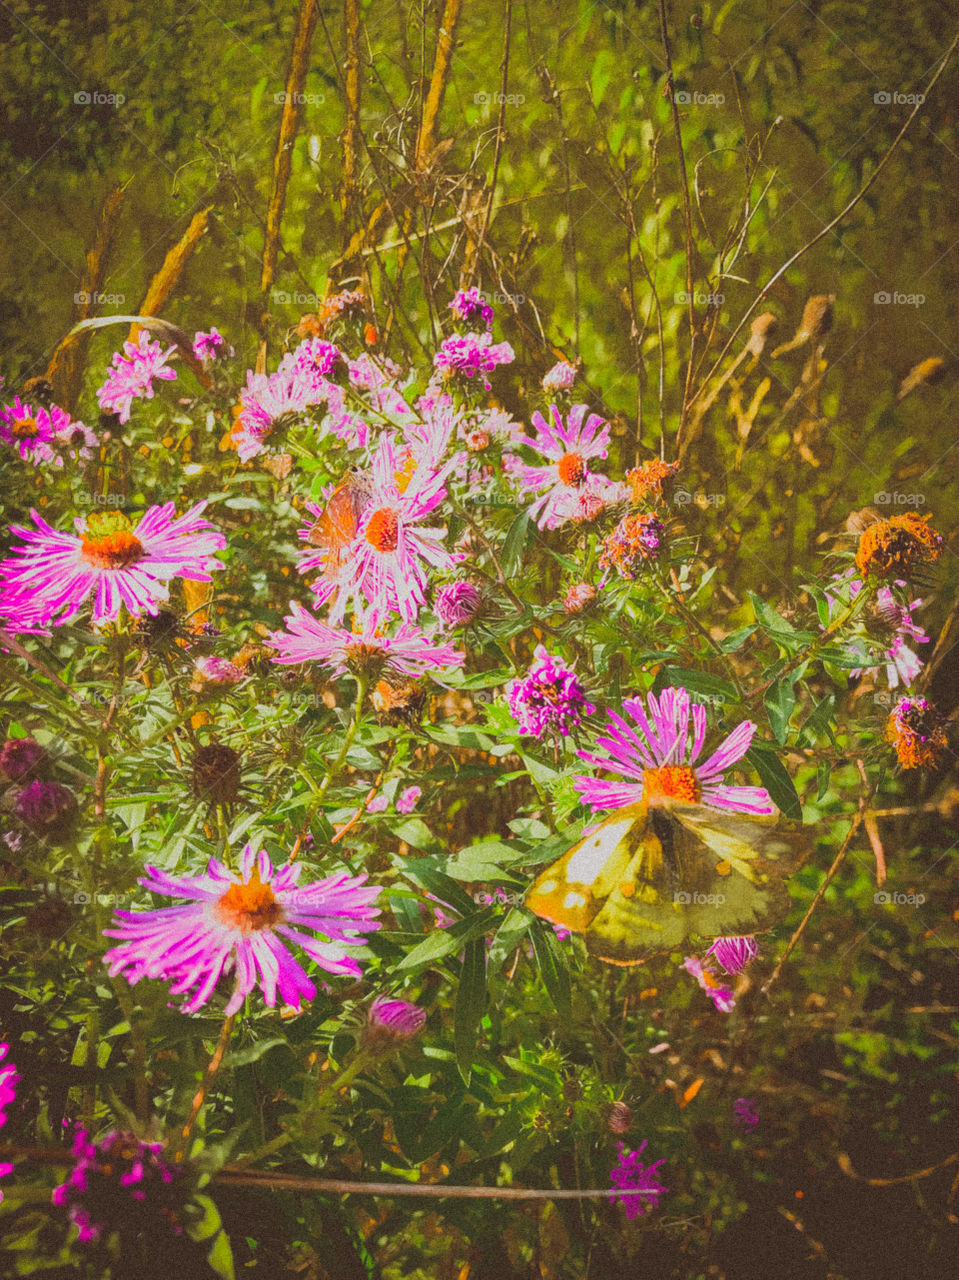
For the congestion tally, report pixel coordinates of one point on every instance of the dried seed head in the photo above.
(216, 774)
(760, 331)
(619, 1117)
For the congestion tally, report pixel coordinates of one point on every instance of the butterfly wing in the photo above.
(337, 524)
(572, 889)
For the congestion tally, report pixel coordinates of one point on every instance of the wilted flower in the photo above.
(649, 478)
(889, 620)
(207, 346)
(216, 774)
(392, 1022)
(636, 541)
(579, 597)
(734, 953)
(745, 1113)
(560, 378)
(237, 923)
(471, 308)
(619, 1117)
(119, 564)
(73, 438)
(212, 675)
(457, 603)
(721, 996)
(917, 730)
(657, 759)
(549, 696)
(895, 548)
(408, 799)
(48, 809)
(378, 804)
(120, 1182)
(22, 758)
(131, 377)
(630, 1175)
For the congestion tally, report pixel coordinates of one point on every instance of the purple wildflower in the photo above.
(22, 758)
(471, 355)
(560, 378)
(471, 308)
(642, 1181)
(734, 953)
(408, 799)
(48, 809)
(721, 996)
(9, 1079)
(206, 346)
(131, 377)
(457, 604)
(746, 1114)
(393, 1022)
(550, 696)
(30, 433)
(119, 1182)
(409, 651)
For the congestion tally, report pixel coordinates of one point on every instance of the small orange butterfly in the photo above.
(338, 522)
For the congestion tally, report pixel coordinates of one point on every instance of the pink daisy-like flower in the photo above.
(240, 925)
(471, 308)
(888, 619)
(657, 758)
(734, 953)
(110, 559)
(560, 378)
(394, 1021)
(567, 479)
(268, 402)
(639, 1180)
(316, 361)
(721, 996)
(471, 355)
(9, 1079)
(383, 568)
(31, 434)
(409, 651)
(408, 799)
(131, 377)
(550, 696)
(210, 346)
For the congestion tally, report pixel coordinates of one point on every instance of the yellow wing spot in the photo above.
(627, 888)
(573, 899)
(723, 868)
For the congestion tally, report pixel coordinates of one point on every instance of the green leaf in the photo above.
(780, 703)
(551, 963)
(220, 1256)
(441, 942)
(470, 1005)
(774, 777)
(699, 682)
(736, 639)
(515, 544)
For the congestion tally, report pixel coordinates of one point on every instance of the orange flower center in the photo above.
(249, 907)
(24, 428)
(383, 529)
(112, 550)
(671, 782)
(572, 468)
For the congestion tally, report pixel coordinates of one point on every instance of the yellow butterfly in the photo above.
(651, 876)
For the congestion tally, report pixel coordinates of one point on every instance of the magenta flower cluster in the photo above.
(119, 1181)
(638, 1183)
(550, 697)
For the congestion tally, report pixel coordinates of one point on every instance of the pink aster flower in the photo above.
(408, 799)
(73, 438)
(734, 953)
(471, 355)
(31, 434)
(378, 804)
(211, 674)
(9, 1079)
(560, 378)
(393, 1022)
(639, 1180)
(657, 758)
(383, 568)
(409, 651)
(566, 479)
(120, 1181)
(550, 696)
(110, 559)
(316, 361)
(579, 597)
(721, 996)
(210, 346)
(267, 403)
(471, 308)
(239, 924)
(456, 604)
(888, 619)
(131, 377)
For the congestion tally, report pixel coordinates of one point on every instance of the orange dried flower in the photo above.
(917, 730)
(894, 548)
(648, 479)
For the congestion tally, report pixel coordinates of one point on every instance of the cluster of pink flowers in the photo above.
(471, 308)
(119, 1181)
(471, 355)
(9, 1079)
(549, 697)
(45, 434)
(211, 346)
(638, 1183)
(131, 377)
